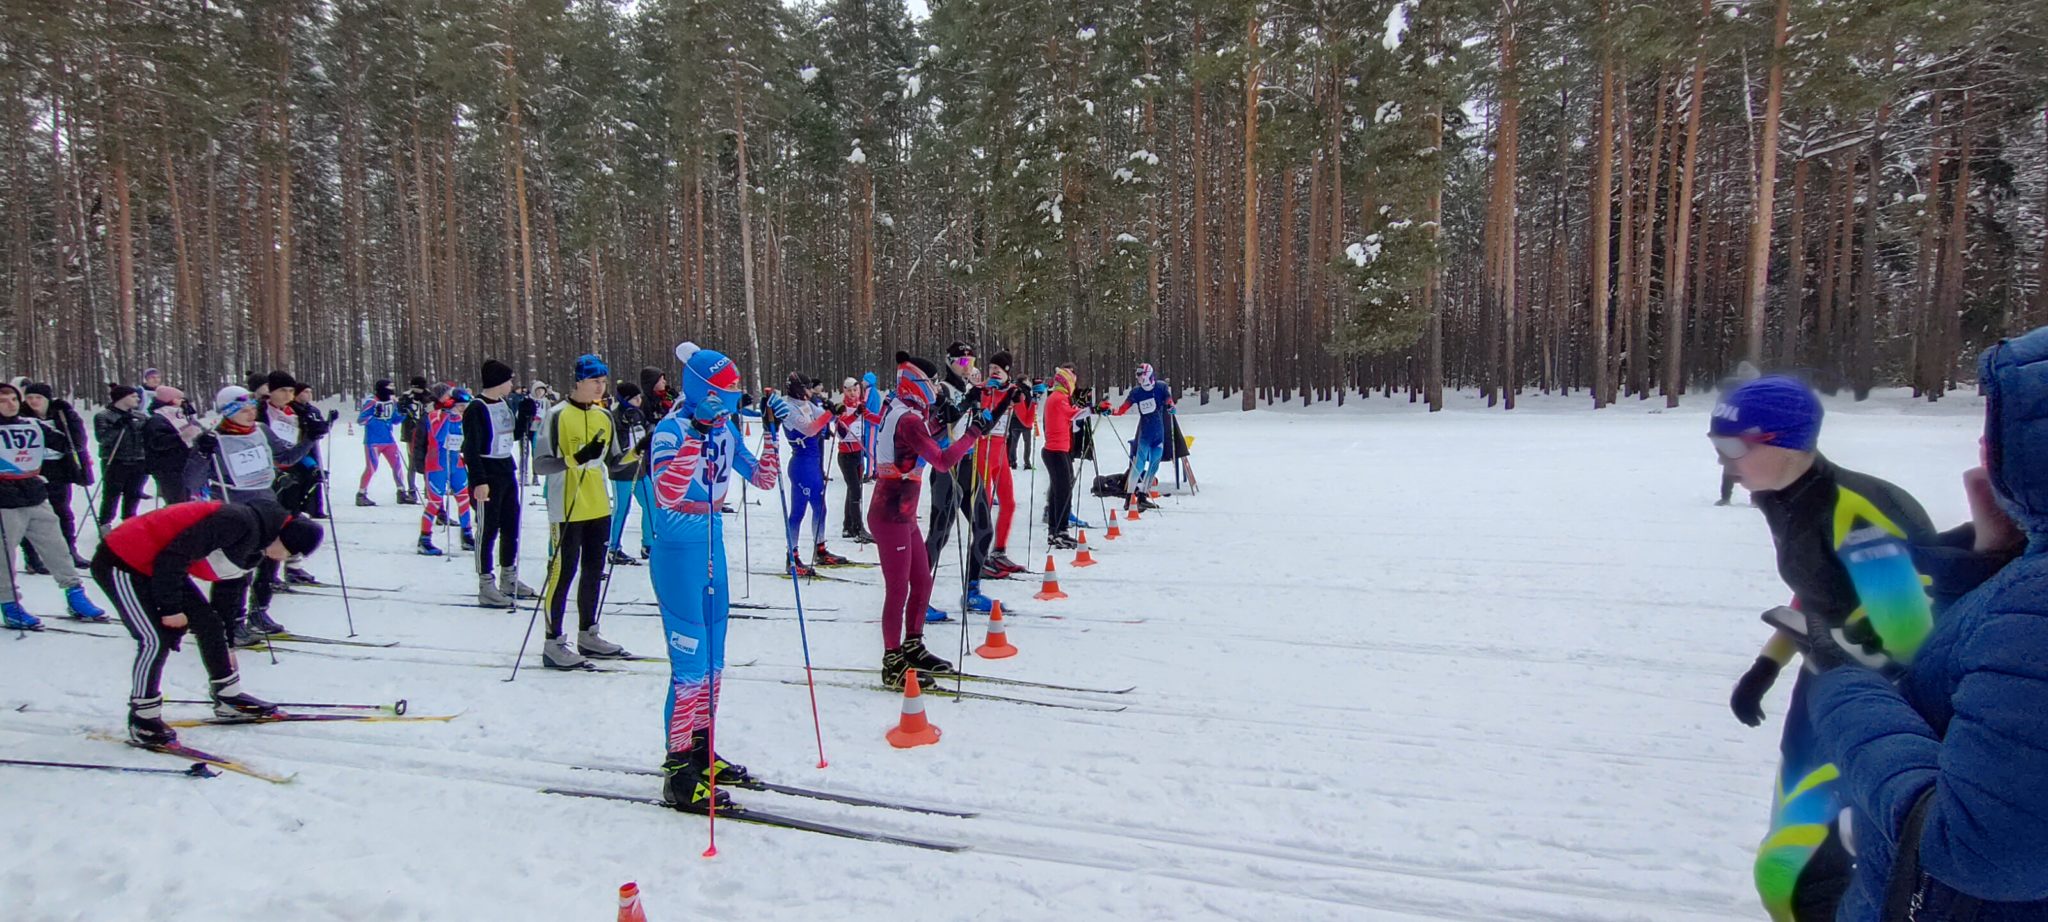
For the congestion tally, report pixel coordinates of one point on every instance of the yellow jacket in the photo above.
(576, 492)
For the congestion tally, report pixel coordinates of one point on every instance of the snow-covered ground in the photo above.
(1391, 665)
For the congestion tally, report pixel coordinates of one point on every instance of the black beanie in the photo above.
(628, 390)
(958, 349)
(301, 535)
(1001, 360)
(383, 389)
(42, 390)
(494, 373)
(419, 382)
(279, 380)
(119, 392)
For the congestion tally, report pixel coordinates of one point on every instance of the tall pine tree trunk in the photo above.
(1676, 298)
(1248, 372)
(1759, 264)
(1600, 222)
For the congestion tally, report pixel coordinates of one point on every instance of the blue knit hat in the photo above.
(1776, 410)
(590, 366)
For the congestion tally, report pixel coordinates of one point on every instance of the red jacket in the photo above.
(206, 540)
(1059, 421)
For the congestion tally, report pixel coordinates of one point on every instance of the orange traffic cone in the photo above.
(1051, 589)
(1131, 511)
(998, 646)
(629, 903)
(1114, 532)
(1081, 556)
(1155, 492)
(912, 729)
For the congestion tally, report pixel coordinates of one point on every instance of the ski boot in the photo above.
(923, 660)
(427, 548)
(976, 602)
(1146, 503)
(893, 667)
(729, 773)
(1074, 521)
(509, 584)
(363, 499)
(146, 725)
(1060, 541)
(685, 786)
(644, 552)
(17, 618)
(797, 567)
(230, 701)
(240, 636)
(1001, 566)
(260, 622)
(555, 654)
(590, 644)
(35, 565)
(82, 608)
(934, 615)
(824, 558)
(468, 540)
(409, 497)
(298, 575)
(619, 558)
(80, 562)
(488, 594)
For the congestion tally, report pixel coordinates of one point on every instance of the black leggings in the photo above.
(850, 471)
(579, 546)
(172, 488)
(142, 612)
(1059, 496)
(500, 521)
(123, 486)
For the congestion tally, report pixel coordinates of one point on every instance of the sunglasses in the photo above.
(1732, 447)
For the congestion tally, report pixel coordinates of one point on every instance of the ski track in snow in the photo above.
(1392, 666)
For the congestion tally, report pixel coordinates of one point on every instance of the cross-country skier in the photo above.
(1152, 400)
(236, 463)
(573, 441)
(695, 449)
(292, 421)
(118, 429)
(849, 422)
(1835, 531)
(66, 462)
(992, 461)
(25, 514)
(628, 474)
(1061, 415)
(488, 431)
(380, 416)
(1944, 769)
(958, 402)
(147, 566)
(167, 443)
(447, 477)
(904, 445)
(804, 427)
(414, 408)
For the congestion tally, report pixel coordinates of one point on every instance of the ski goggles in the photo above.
(1732, 447)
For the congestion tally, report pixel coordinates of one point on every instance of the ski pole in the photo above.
(803, 632)
(396, 709)
(333, 519)
(711, 534)
(198, 769)
(554, 573)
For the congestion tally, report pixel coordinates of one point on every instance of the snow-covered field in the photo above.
(1391, 665)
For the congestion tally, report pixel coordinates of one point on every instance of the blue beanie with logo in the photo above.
(1776, 410)
(590, 366)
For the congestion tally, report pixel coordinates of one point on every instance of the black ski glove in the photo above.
(590, 451)
(1748, 700)
(206, 443)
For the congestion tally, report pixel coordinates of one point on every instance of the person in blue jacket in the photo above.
(1152, 400)
(379, 416)
(1947, 769)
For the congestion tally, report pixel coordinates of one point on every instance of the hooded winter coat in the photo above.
(1948, 770)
